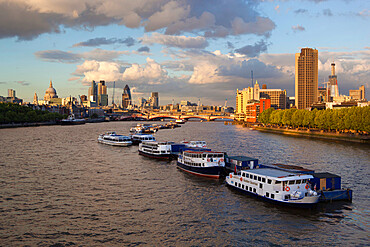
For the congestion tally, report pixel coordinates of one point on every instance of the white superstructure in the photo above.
(275, 186)
(111, 138)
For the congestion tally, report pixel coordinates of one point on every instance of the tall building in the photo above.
(332, 89)
(251, 95)
(306, 78)
(277, 96)
(154, 99)
(11, 93)
(102, 94)
(358, 94)
(93, 92)
(126, 97)
(50, 93)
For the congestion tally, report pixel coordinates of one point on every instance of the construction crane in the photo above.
(114, 86)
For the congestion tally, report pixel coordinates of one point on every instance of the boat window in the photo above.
(243, 174)
(267, 194)
(255, 177)
(254, 190)
(210, 155)
(204, 155)
(236, 184)
(304, 181)
(263, 180)
(250, 188)
(242, 186)
(287, 197)
(260, 186)
(259, 179)
(277, 182)
(291, 182)
(247, 175)
(272, 196)
(269, 181)
(298, 182)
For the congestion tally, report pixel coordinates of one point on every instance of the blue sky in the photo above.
(185, 49)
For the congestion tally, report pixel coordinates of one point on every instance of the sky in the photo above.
(185, 49)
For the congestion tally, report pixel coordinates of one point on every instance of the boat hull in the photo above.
(311, 204)
(160, 156)
(120, 144)
(210, 172)
(72, 122)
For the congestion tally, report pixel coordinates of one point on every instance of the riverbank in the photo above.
(19, 125)
(320, 134)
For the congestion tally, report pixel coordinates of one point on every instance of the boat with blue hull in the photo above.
(275, 186)
(202, 163)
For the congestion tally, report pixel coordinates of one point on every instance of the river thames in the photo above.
(60, 187)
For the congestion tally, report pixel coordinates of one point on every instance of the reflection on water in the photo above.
(59, 186)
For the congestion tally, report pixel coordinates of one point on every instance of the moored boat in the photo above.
(202, 163)
(111, 138)
(138, 138)
(195, 144)
(275, 186)
(157, 150)
(71, 120)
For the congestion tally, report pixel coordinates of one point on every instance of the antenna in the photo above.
(114, 86)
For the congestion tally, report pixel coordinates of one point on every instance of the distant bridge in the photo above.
(187, 117)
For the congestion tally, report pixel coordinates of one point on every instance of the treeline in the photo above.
(354, 118)
(13, 113)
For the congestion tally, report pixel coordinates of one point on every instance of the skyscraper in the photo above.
(333, 84)
(306, 78)
(126, 97)
(102, 94)
(11, 93)
(93, 92)
(154, 99)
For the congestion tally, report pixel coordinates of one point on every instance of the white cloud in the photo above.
(151, 73)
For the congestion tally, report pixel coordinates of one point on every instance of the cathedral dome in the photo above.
(50, 92)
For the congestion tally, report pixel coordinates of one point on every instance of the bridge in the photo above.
(187, 117)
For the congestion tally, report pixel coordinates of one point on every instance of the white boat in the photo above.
(202, 163)
(138, 138)
(180, 121)
(276, 186)
(111, 138)
(195, 144)
(71, 120)
(157, 150)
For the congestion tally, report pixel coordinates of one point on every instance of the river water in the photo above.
(60, 187)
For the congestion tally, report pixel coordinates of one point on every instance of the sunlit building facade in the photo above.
(306, 78)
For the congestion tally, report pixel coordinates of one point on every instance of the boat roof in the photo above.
(205, 151)
(242, 158)
(325, 175)
(158, 143)
(279, 175)
(142, 134)
(291, 167)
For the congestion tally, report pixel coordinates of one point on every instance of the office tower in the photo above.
(93, 92)
(11, 93)
(306, 78)
(154, 99)
(126, 97)
(102, 94)
(277, 97)
(358, 94)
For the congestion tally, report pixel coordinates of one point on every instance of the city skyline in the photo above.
(181, 49)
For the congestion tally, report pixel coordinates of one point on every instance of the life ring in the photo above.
(230, 175)
(307, 186)
(241, 179)
(222, 160)
(287, 188)
(208, 159)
